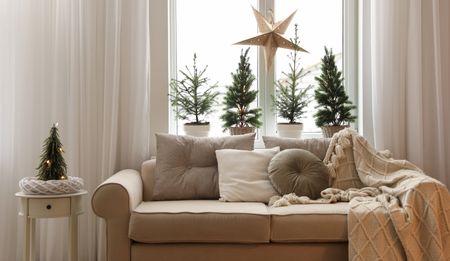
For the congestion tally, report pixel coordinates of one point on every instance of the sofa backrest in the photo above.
(316, 146)
(147, 173)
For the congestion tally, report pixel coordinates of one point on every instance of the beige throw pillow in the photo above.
(186, 166)
(317, 147)
(243, 175)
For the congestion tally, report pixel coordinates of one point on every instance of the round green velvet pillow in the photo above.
(298, 171)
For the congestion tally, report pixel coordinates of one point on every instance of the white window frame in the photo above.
(266, 79)
(350, 48)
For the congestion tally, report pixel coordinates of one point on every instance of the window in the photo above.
(317, 27)
(210, 27)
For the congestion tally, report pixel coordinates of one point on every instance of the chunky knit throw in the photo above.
(396, 212)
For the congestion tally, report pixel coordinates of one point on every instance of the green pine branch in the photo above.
(239, 96)
(333, 104)
(192, 97)
(291, 100)
(52, 165)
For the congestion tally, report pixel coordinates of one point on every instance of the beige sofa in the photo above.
(140, 229)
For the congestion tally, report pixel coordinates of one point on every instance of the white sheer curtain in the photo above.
(406, 80)
(84, 64)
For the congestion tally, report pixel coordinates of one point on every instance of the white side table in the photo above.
(50, 206)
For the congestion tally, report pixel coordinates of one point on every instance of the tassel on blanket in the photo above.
(340, 162)
(289, 199)
(339, 142)
(338, 195)
(329, 195)
(387, 154)
(344, 140)
(335, 160)
(331, 170)
(339, 151)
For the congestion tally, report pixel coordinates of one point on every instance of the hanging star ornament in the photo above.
(271, 37)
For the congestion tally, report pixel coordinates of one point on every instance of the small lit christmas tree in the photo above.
(239, 97)
(52, 164)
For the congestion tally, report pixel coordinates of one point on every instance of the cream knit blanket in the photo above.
(401, 214)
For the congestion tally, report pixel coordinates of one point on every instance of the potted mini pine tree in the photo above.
(334, 107)
(193, 99)
(290, 99)
(238, 115)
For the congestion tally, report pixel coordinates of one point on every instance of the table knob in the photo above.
(49, 206)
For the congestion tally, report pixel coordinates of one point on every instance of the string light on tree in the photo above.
(52, 166)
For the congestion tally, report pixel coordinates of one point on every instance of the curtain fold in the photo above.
(84, 64)
(408, 50)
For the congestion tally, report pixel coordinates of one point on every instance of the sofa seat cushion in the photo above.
(200, 221)
(309, 223)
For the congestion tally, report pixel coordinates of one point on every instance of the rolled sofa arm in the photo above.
(114, 200)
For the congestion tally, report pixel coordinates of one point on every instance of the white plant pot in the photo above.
(201, 130)
(241, 130)
(329, 131)
(287, 130)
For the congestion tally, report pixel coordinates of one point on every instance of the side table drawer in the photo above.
(52, 207)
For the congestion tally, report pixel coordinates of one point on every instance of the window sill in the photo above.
(259, 144)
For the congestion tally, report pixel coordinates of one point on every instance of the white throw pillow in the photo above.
(243, 175)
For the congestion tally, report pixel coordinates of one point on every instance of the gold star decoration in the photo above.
(271, 37)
